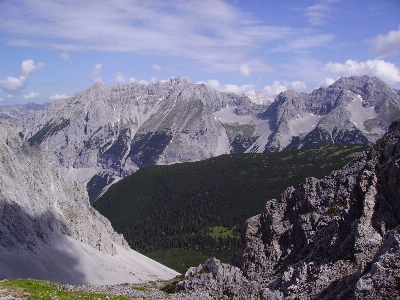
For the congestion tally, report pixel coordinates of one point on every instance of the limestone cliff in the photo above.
(48, 228)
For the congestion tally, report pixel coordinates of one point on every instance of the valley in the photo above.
(202, 206)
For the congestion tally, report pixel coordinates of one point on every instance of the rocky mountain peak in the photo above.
(111, 132)
(334, 238)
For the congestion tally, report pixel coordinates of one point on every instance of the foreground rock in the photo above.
(48, 230)
(335, 238)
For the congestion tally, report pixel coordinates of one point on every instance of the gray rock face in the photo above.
(335, 238)
(113, 131)
(110, 132)
(35, 202)
(219, 280)
(352, 110)
(49, 230)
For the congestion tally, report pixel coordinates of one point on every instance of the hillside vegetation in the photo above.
(202, 206)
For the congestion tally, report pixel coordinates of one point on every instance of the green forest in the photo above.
(182, 213)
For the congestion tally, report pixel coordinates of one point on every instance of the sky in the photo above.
(54, 49)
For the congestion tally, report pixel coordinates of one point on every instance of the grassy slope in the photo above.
(181, 206)
(43, 289)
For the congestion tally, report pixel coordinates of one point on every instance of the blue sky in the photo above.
(52, 49)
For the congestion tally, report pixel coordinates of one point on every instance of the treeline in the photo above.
(164, 207)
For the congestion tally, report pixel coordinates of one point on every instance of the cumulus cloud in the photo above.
(384, 70)
(386, 44)
(326, 82)
(96, 73)
(1, 99)
(119, 78)
(156, 67)
(58, 97)
(228, 88)
(31, 95)
(132, 80)
(278, 87)
(14, 85)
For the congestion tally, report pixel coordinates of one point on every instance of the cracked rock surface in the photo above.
(334, 238)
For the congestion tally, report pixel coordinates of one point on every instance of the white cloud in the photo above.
(326, 82)
(208, 31)
(386, 71)
(270, 33)
(65, 56)
(386, 44)
(245, 69)
(132, 80)
(228, 88)
(156, 67)
(14, 85)
(96, 73)
(277, 88)
(153, 79)
(317, 14)
(306, 42)
(119, 78)
(58, 97)
(1, 99)
(31, 95)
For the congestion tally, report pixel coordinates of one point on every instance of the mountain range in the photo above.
(103, 134)
(10, 111)
(337, 237)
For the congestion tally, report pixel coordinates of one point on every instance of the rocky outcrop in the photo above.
(49, 230)
(335, 238)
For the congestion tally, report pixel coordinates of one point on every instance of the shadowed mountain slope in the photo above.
(48, 230)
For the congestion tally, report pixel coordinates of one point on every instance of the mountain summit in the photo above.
(105, 133)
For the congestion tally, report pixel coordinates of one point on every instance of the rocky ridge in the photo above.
(110, 132)
(335, 238)
(49, 230)
(10, 111)
(352, 110)
(105, 133)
